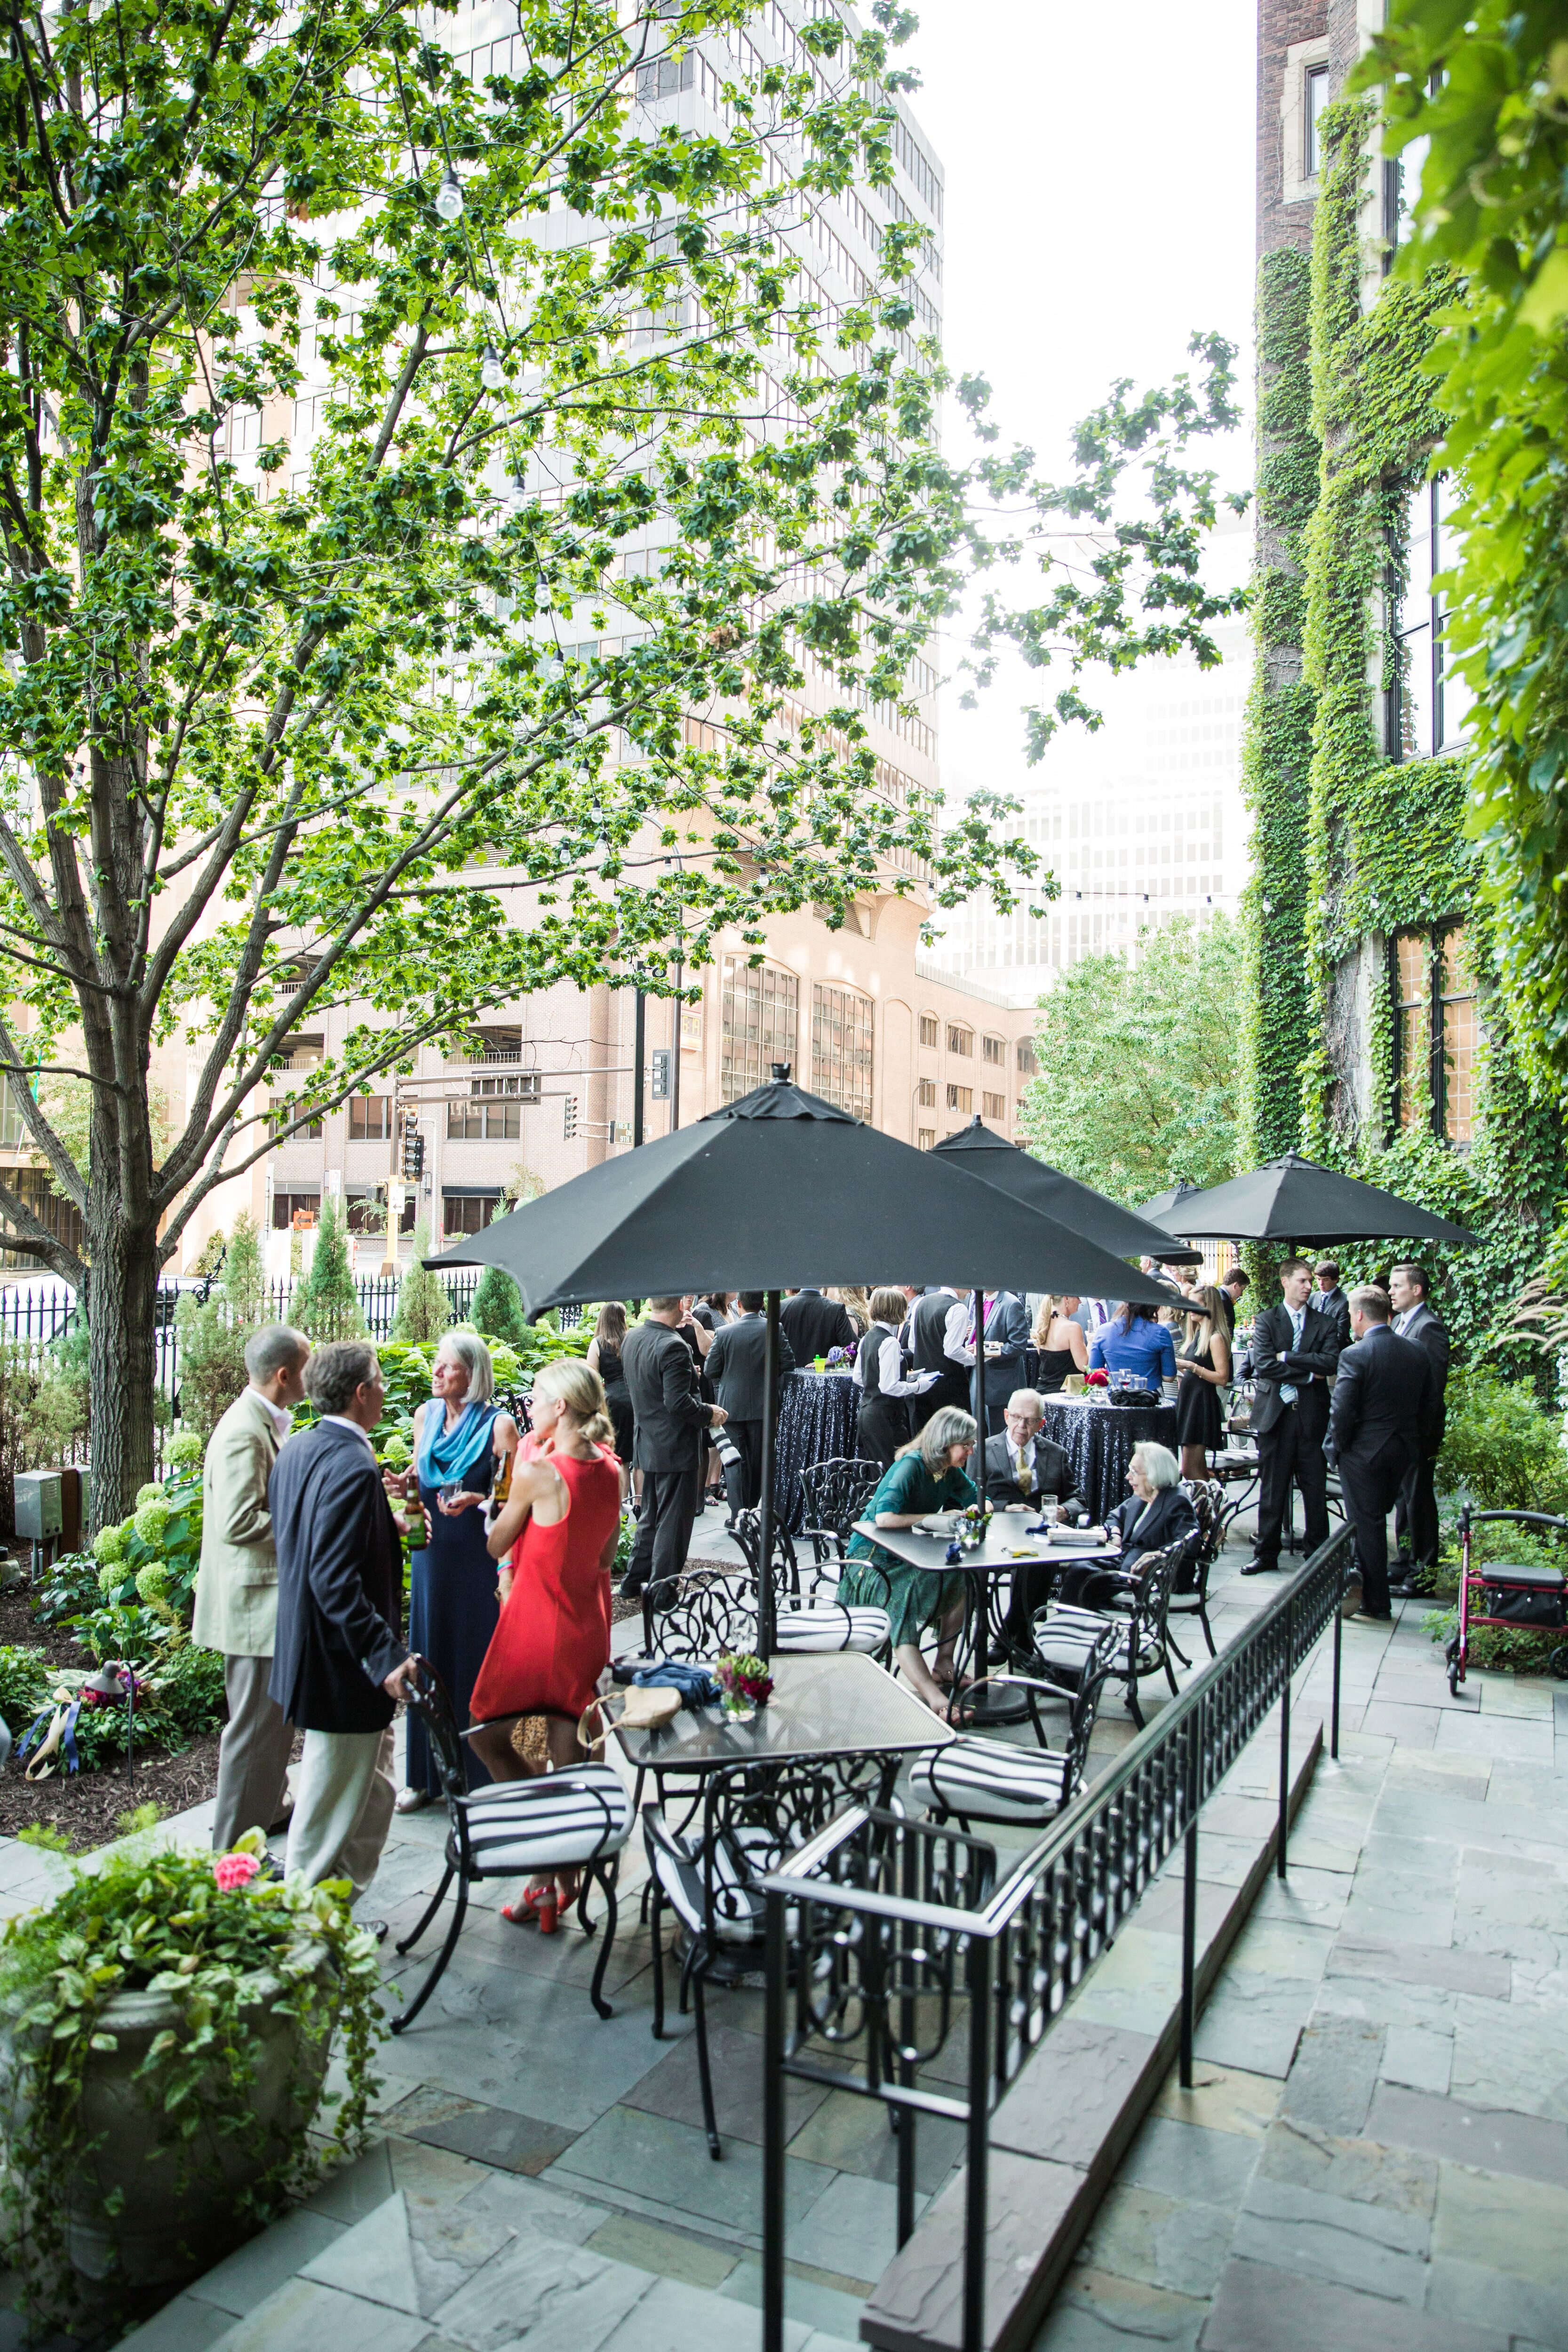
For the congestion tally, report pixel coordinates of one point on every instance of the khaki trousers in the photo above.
(344, 1797)
(253, 1754)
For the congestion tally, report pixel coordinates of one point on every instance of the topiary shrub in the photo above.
(497, 1311)
(1501, 1446)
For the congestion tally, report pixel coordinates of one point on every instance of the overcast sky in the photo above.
(1099, 165)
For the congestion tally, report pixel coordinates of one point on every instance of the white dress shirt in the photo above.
(282, 1414)
(891, 1366)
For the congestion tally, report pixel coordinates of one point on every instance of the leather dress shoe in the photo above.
(377, 1927)
(1261, 1567)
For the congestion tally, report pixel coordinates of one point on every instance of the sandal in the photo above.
(526, 1912)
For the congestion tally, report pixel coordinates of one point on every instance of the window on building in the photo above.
(1314, 98)
(1457, 995)
(928, 1139)
(485, 1119)
(287, 1206)
(928, 1094)
(1424, 713)
(930, 1029)
(468, 1210)
(960, 1099)
(283, 1116)
(1027, 1064)
(370, 1119)
(994, 1106)
(959, 1041)
(841, 1048)
(995, 1049)
(761, 1016)
(1436, 1007)
(12, 1132)
(364, 1209)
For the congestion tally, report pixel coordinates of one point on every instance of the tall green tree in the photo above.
(1138, 1063)
(423, 1305)
(326, 1304)
(278, 737)
(1486, 87)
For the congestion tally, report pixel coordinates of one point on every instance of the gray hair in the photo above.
(336, 1370)
(1027, 1401)
(469, 1350)
(276, 1347)
(948, 1426)
(1157, 1462)
(1372, 1302)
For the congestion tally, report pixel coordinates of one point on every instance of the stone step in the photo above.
(413, 2246)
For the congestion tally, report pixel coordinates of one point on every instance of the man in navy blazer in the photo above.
(1385, 1408)
(339, 1665)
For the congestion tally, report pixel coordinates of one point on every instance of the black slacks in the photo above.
(1293, 1449)
(1416, 1514)
(670, 1500)
(743, 1476)
(951, 1388)
(1370, 1489)
(883, 1426)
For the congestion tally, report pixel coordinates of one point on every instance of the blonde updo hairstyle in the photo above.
(573, 1384)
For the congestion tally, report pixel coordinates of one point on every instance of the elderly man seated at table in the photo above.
(926, 1476)
(1023, 1472)
(1156, 1514)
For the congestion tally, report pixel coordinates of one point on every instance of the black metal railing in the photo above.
(884, 1934)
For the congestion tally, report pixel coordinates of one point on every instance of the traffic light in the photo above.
(413, 1152)
(660, 1087)
(570, 1121)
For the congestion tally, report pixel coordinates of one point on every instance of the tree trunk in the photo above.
(121, 1301)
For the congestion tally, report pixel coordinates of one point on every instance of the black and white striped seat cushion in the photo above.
(547, 1824)
(831, 1625)
(987, 1780)
(1065, 1636)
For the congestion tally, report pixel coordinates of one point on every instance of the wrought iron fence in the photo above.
(884, 1934)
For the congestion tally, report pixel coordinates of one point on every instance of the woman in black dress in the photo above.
(1203, 1368)
(604, 1358)
(1059, 1343)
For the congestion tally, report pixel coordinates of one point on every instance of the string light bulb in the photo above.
(449, 195)
(493, 375)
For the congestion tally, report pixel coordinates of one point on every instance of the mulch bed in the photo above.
(86, 1807)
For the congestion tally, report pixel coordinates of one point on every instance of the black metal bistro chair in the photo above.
(835, 1494)
(1191, 1599)
(752, 1818)
(1067, 1635)
(808, 1627)
(575, 1820)
(998, 1780)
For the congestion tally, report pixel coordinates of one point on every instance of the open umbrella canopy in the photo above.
(1295, 1199)
(980, 1151)
(781, 1189)
(1160, 1207)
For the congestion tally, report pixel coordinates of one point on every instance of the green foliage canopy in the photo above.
(1138, 1060)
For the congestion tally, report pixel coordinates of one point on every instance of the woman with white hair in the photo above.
(1156, 1514)
(925, 1475)
(460, 1438)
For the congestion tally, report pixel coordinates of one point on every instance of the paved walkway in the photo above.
(1374, 2157)
(1376, 2151)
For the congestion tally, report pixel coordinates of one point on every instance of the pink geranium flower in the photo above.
(235, 1870)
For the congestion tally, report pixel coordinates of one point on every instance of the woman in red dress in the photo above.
(557, 1533)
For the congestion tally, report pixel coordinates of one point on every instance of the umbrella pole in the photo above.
(770, 1423)
(980, 1391)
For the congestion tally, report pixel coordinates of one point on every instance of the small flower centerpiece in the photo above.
(971, 1532)
(745, 1683)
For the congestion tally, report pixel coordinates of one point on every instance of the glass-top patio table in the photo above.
(1012, 1541)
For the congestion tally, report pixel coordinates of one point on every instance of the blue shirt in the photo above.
(1147, 1351)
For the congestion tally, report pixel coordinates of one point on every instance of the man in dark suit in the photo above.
(1007, 1332)
(936, 1329)
(1330, 1299)
(735, 1370)
(1230, 1290)
(339, 1666)
(1294, 1352)
(812, 1324)
(1019, 1448)
(670, 1419)
(1415, 1512)
(1384, 1409)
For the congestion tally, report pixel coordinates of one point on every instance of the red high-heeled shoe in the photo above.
(527, 1912)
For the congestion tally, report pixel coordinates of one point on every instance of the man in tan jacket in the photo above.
(237, 1591)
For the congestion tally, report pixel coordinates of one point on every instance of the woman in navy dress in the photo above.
(459, 1443)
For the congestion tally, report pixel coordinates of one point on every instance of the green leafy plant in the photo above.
(423, 1304)
(497, 1310)
(212, 1333)
(326, 1304)
(221, 1942)
(24, 1685)
(45, 1836)
(1501, 1445)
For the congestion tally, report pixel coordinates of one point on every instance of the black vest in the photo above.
(869, 1361)
(926, 1327)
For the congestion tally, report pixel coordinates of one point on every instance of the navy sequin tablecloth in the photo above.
(817, 1415)
(1099, 1439)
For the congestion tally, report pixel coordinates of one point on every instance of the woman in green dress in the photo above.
(925, 1476)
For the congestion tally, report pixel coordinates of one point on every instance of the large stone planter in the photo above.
(168, 2227)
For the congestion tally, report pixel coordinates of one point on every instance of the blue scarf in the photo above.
(446, 1455)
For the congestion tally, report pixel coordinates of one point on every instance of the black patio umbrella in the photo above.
(1295, 1199)
(980, 1151)
(776, 1188)
(1164, 1202)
